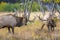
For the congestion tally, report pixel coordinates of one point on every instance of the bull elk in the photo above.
(49, 22)
(10, 21)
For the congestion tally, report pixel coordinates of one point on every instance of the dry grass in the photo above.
(31, 32)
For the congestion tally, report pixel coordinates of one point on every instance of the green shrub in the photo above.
(10, 7)
(2, 6)
(35, 6)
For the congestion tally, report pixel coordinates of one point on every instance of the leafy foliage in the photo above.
(9, 7)
(35, 7)
(56, 1)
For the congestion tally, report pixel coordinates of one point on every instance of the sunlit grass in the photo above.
(30, 32)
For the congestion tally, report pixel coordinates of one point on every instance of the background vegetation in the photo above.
(9, 5)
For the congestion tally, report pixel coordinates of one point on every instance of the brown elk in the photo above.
(50, 23)
(10, 21)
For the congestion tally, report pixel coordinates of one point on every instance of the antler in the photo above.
(40, 18)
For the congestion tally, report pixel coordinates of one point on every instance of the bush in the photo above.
(2, 6)
(10, 7)
(35, 6)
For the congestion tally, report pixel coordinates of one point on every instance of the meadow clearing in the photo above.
(31, 31)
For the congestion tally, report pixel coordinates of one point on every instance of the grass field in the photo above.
(31, 32)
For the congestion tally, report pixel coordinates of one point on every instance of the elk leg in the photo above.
(49, 28)
(52, 28)
(9, 30)
(25, 21)
(42, 26)
(12, 29)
